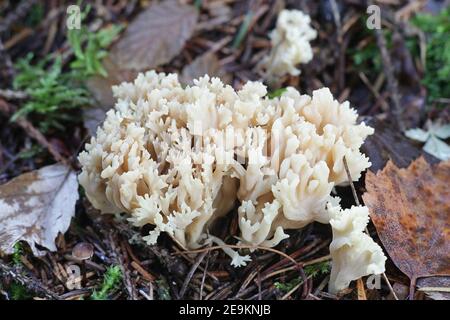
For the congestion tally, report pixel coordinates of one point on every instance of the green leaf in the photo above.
(277, 93)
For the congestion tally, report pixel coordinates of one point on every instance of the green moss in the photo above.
(89, 47)
(18, 291)
(111, 279)
(17, 254)
(437, 69)
(277, 93)
(310, 271)
(163, 289)
(51, 92)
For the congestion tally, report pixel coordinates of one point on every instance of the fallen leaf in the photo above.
(207, 63)
(155, 36)
(100, 87)
(388, 143)
(436, 288)
(36, 206)
(410, 209)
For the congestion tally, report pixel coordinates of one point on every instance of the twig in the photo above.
(305, 264)
(12, 94)
(204, 277)
(29, 282)
(173, 264)
(243, 247)
(126, 274)
(374, 91)
(389, 286)
(434, 289)
(191, 273)
(32, 132)
(39, 137)
(412, 287)
(341, 44)
(258, 281)
(350, 180)
(361, 290)
(391, 80)
(19, 12)
(5, 64)
(287, 295)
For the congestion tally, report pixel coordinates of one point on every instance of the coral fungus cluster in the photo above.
(290, 42)
(181, 157)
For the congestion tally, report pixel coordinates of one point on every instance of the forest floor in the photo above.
(55, 87)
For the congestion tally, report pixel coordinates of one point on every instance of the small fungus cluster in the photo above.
(290, 42)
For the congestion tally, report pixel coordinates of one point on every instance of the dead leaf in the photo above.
(156, 36)
(36, 206)
(100, 87)
(410, 209)
(207, 63)
(432, 287)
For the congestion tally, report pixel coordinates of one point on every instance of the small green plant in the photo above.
(89, 47)
(51, 92)
(312, 271)
(30, 152)
(18, 291)
(35, 16)
(287, 286)
(163, 289)
(277, 93)
(437, 68)
(111, 279)
(368, 58)
(317, 269)
(17, 254)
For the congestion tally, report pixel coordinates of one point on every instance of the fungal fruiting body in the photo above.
(180, 157)
(290, 44)
(353, 252)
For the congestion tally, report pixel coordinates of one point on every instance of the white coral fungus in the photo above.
(179, 158)
(354, 253)
(290, 42)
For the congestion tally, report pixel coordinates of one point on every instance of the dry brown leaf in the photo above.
(207, 63)
(36, 206)
(100, 87)
(411, 212)
(156, 36)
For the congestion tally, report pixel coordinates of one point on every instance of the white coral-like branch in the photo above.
(354, 253)
(290, 44)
